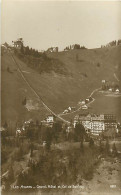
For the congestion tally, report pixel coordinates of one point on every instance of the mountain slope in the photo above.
(85, 71)
(14, 90)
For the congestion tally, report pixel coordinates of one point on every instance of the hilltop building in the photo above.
(18, 44)
(52, 49)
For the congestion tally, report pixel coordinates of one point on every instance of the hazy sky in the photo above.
(46, 24)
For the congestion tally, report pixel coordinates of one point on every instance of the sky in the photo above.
(44, 24)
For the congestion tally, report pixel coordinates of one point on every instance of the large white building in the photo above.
(94, 123)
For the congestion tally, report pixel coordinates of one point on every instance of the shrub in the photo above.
(98, 64)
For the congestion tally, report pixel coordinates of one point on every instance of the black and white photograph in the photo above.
(60, 126)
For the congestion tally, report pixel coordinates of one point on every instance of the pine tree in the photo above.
(22, 49)
(81, 146)
(5, 125)
(8, 69)
(107, 147)
(91, 143)
(24, 101)
(114, 150)
(100, 146)
(31, 149)
(27, 51)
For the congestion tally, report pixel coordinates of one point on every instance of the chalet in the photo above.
(2, 129)
(44, 143)
(72, 109)
(27, 123)
(83, 102)
(117, 90)
(69, 109)
(103, 81)
(84, 107)
(48, 121)
(87, 99)
(110, 89)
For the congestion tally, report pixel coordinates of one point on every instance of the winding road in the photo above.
(95, 90)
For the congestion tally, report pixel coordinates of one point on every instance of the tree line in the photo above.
(40, 61)
(75, 46)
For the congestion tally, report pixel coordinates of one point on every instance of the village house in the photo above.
(83, 102)
(69, 129)
(50, 119)
(87, 99)
(117, 90)
(73, 108)
(2, 129)
(84, 107)
(69, 109)
(110, 89)
(18, 132)
(103, 81)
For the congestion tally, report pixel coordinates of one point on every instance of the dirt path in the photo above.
(116, 77)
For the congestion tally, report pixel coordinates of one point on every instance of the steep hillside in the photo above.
(102, 61)
(14, 90)
(85, 68)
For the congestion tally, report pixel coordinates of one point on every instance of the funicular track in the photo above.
(33, 90)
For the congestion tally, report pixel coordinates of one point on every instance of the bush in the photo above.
(98, 64)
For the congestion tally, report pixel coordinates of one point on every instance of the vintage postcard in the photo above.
(60, 97)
